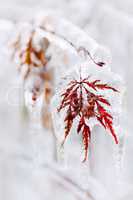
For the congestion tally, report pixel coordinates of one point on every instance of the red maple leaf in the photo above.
(79, 101)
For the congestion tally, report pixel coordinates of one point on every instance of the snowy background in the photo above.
(110, 23)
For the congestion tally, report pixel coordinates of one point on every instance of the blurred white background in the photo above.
(110, 23)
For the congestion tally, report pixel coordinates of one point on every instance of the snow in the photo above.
(28, 169)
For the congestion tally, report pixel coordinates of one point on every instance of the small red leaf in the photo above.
(105, 101)
(86, 137)
(80, 102)
(80, 125)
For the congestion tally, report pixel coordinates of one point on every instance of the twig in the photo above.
(100, 64)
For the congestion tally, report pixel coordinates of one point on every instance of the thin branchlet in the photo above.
(78, 50)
